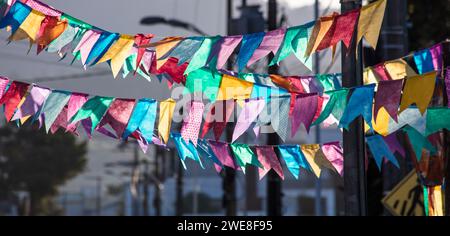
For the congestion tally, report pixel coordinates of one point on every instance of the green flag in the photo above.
(244, 155)
(94, 108)
(336, 105)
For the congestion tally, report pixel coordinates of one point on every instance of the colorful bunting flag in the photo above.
(191, 125)
(200, 58)
(142, 118)
(205, 81)
(370, 21)
(336, 106)
(335, 155)
(244, 155)
(315, 157)
(204, 148)
(418, 142)
(418, 90)
(388, 96)
(393, 144)
(94, 109)
(250, 42)
(270, 43)
(12, 97)
(185, 49)
(118, 115)
(166, 109)
(33, 102)
(437, 119)
(360, 103)
(234, 88)
(222, 50)
(249, 113)
(53, 106)
(294, 159)
(51, 28)
(15, 16)
(217, 117)
(379, 150)
(186, 150)
(424, 61)
(305, 108)
(268, 160)
(220, 149)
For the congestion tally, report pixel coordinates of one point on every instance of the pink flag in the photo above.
(381, 72)
(62, 122)
(224, 48)
(118, 115)
(333, 152)
(76, 101)
(249, 113)
(270, 43)
(33, 102)
(3, 83)
(86, 44)
(436, 54)
(218, 117)
(305, 109)
(191, 125)
(221, 151)
(269, 160)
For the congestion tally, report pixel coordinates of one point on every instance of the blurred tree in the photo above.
(429, 22)
(37, 163)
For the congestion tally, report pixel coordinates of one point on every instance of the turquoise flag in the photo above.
(250, 42)
(437, 119)
(380, 149)
(244, 155)
(101, 47)
(15, 16)
(293, 158)
(185, 150)
(94, 109)
(53, 106)
(336, 105)
(142, 119)
(418, 142)
(360, 103)
(200, 57)
(184, 50)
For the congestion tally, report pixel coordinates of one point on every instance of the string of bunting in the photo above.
(57, 32)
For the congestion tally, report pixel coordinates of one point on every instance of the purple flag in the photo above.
(436, 54)
(33, 102)
(334, 153)
(393, 144)
(305, 108)
(223, 49)
(269, 160)
(270, 43)
(249, 113)
(447, 84)
(388, 96)
(221, 151)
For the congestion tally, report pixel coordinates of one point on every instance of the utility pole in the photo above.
(355, 189)
(229, 179)
(318, 200)
(274, 201)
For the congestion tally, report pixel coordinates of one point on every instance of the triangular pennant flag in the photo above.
(437, 119)
(118, 115)
(379, 150)
(418, 90)
(53, 106)
(33, 102)
(76, 101)
(3, 85)
(51, 28)
(166, 109)
(315, 157)
(64, 39)
(293, 158)
(86, 44)
(370, 21)
(321, 27)
(12, 97)
(221, 151)
(164, 46)
(205, 81)
(341, 29)
(436, 54)
(218, 117)
(329, 82)
(142, 118)
(418, 142)
(200, 58)
(15, 16)
(139, 40)
(222, 50)
(388, 96)
(360, 103)
(186, 150)
(61, 121)
(280, 117)
(335, 106)
(410, 116)
(269, 160)
(94, 109)
(249, 44)
(270, 43)
(244, 155)
(185, 49)
(335, 155)
(424, 61)
(249, 113)
(191, 125)
(393, 144)
(234, 88)
(204, 148)
(305, 108)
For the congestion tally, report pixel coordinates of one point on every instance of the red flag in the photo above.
(12, 97)
(139, 40)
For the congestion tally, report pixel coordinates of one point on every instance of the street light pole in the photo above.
(355, 189)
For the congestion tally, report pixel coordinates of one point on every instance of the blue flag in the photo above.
(380, 149)
(360, 103)
(294, 159)
(250, 43)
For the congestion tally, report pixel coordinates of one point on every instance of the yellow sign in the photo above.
(406, 199)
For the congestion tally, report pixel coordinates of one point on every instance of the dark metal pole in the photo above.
(157, 183)
(274, 201)
(229, 179)
(179, 189)
(355, 192)
(145, 189)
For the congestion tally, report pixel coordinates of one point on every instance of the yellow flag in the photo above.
(315, 157)
(25, 118)
(399, 69)
(436, 197)
(369, 76)
(320, 29)
(370, 20)
(234, 88)
(118, 52)
(381, 124)
(418, 90)
(29, 27)
(162, 48)
(166, 109)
